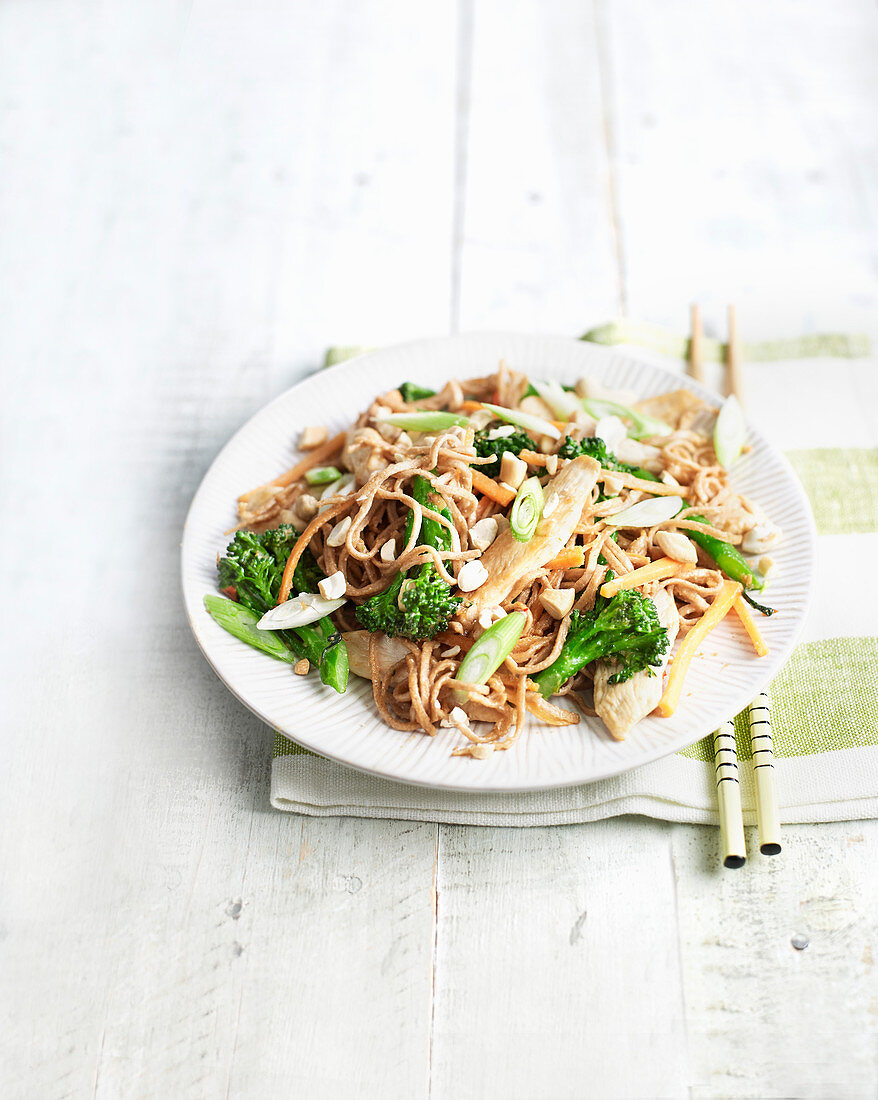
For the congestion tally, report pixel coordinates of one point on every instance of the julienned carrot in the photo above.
(720, 607)
(743, 613)
(571, 558)
(533, 458)
(488, 487)
(314, 458)
(656, 571)
(470, 406)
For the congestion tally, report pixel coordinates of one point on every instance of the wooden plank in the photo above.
(557, 970)
(538, 250)
(195, 204)
(740, 166)
(766, 1019)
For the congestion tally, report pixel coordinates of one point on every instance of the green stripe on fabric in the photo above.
(825, 698)
(824, 472)
(830, 345)
(283, 746)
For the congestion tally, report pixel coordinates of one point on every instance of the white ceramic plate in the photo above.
(346, 727)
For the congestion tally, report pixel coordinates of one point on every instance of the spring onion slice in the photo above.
(562, 403)
(527, 509)
(641, 425)
(322, 475)
(241, 622)
(729, 433)
(534, 424)
(490, 651)
(299, 611)
(646, 513)
(426, 421)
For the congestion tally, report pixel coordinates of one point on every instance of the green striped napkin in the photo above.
(825, 702)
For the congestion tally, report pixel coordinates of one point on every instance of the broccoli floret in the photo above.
(516, 443)
(418, 603)
(410, 391)
(595, 448)
(253, 565)
(626, 627)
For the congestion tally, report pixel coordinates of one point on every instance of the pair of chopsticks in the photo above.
(728, 787)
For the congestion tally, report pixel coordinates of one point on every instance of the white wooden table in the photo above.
(195, 199)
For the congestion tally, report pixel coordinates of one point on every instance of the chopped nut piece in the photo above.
(489, 616)
(675, 545)
(482, 750)
(388, 550)
(483, 533)
(306, 506)
(303, 667)
(471, 576)
(339, 533)
(314, 436)
(512, 469)
(551, 465)
(558, 601)
(502, 433)
(334, 587)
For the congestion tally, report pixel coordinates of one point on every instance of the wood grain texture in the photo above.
(196, 199)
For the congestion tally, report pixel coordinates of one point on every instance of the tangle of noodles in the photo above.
(419, 691)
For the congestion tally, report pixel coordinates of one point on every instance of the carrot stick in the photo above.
(743, 613)
(721, 605)
(533, 458)
(490, 488)
(470, 406)
(571, 558)
(656, 571)
(312, 459)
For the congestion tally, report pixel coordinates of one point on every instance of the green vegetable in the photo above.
(427, 603)
(640, 425)
(322, 475)
(411, 391)
(594, 447)
(425, 421)
(562, 403)
(253, 566)
(729, 559)
(729, 433)
(491, 650)
(241, 622)
(759, 606)
(525, 420)
(516, 443)
(626, 627)
(527, 509)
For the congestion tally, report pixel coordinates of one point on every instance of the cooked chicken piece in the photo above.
(671, 407)
(390, 652)
(364, 453)
(510, 563)
(621, 706)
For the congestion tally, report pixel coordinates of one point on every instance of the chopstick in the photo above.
(728, 794)
(696, 340)
(734, 376)
(763, 769)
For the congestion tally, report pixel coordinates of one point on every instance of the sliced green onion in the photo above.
(641, 425)
(646, 513)
(562, 403)
(300, 610)
(534, 424)
(426, 421)
(729, 433)
(527, 509)
(490, 651)
(322, 475)
(241, 622)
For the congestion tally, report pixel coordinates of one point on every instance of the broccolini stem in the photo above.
(567, 664)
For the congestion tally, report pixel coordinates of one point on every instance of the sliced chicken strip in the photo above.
(510, 562)
(621, 706)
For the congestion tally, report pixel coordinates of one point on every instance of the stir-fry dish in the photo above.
(505, 546)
